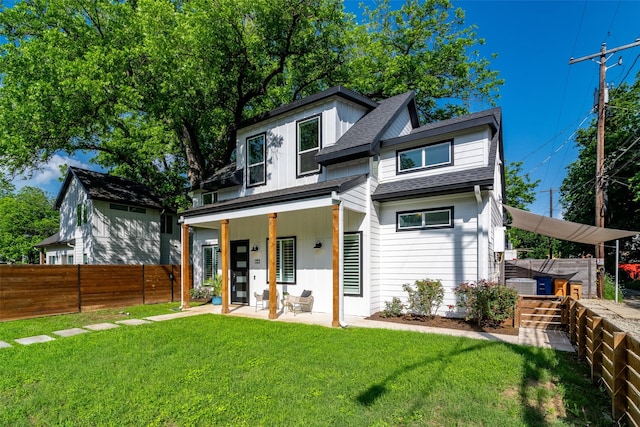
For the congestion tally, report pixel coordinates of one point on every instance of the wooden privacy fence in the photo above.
(39, 290)
(613, 356)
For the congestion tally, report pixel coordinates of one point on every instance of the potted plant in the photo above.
(215, 284)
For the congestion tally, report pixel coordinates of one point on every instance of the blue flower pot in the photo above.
(216, 300)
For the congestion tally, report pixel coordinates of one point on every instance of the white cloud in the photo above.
(47, 175)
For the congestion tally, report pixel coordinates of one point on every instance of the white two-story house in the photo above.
(359, 198)
(106, 219)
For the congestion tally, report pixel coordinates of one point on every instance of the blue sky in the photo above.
(544, 99)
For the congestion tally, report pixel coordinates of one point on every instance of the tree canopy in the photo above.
(157, 88)
(26, 218)
(622, 170)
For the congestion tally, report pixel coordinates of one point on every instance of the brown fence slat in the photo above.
(28, 291)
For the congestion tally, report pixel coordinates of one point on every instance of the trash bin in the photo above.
(544, 285)
(575, 289)
(560, 287)
(523, 285)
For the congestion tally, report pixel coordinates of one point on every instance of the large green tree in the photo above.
(26, 218)
(520, 193)
(157, 88)
(622, 170)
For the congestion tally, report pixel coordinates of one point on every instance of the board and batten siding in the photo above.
(470, 150)
(445, 254)
(400, 126)
(125, 237)
(68, 209)
(336, 117)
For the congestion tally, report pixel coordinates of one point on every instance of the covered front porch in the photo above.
(289, 246)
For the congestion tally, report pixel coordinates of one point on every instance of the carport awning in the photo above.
(564, 230)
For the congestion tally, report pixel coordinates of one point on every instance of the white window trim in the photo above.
(279, 256)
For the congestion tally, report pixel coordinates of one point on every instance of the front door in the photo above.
(240, 272)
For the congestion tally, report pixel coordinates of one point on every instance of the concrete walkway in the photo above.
(534, 337)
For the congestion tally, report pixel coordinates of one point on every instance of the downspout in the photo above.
(476, 191)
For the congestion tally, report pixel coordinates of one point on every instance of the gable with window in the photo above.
(425, 219)
(425, 157)
(309, 143)
(256, 164)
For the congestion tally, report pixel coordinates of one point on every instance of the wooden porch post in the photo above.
(41, 256)
(336, 266)
(224, 248)
(185, 269)
(273, 302)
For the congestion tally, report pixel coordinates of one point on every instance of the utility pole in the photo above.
(550, 190)
(600, 179)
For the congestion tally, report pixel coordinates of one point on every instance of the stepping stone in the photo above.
(132, 322)
(34, 340)
(100, 326)
(71, 332)
(4, 344)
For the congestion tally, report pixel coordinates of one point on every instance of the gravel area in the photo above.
(624, 315)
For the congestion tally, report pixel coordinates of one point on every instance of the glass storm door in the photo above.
(240, 272)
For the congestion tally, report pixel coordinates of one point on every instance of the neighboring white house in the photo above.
(401, 202)
(106, 219)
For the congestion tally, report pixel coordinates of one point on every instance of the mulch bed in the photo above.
(446, 322)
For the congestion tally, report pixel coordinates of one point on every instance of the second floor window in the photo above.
(308, 145)
(256, 170)
(424, 157)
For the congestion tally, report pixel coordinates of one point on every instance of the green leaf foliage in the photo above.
(158, 88)
(621, 177)
(26, 218)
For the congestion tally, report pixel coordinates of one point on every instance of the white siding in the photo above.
(337, 117)
(470, 150)
(342, 170)
(68, 210)
(201, 237)
(401, 126)
(447, 254)
(126, 237)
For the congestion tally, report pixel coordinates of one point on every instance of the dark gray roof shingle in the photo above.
(100, 186)
(279, 196)
(363, 137)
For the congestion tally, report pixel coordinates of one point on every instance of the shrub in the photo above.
(425, 299)
(487, 303)
(201, 292)
(393, 308)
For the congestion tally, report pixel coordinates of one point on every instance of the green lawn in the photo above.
(218, 370)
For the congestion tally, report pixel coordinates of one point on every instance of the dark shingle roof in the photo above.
(491, 118)
(100, 186)
(447, 183)
(279, 196)
(363, 137)
(226, 177)
(53, 240)
(334, 91)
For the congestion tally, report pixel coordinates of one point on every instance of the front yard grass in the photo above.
(216, 370)
(13, 329)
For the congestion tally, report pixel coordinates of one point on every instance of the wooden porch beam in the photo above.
(224, 248)
(273, 301)
(335, 322)
(185, 271)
